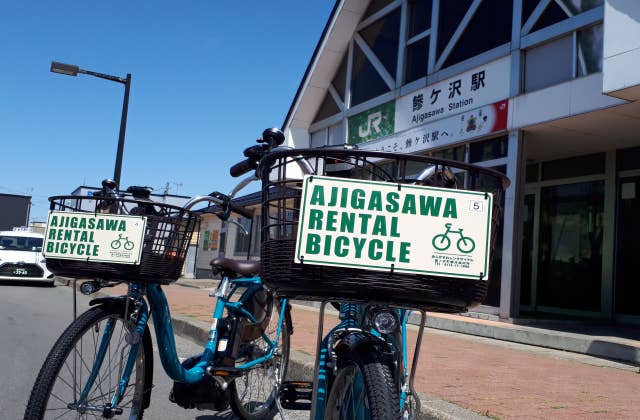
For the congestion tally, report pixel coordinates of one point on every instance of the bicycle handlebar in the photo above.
(223, 201)
(242, 168)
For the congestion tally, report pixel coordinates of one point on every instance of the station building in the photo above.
(542, 90)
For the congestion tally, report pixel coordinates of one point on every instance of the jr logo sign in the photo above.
(372, 124)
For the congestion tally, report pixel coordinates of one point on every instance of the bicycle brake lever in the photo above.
(245, 231)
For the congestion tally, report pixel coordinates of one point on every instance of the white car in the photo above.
(21, 257)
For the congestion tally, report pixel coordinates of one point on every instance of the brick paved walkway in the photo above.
(489, 377)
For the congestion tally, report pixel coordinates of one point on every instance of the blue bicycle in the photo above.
(363, 370)
(102, 364)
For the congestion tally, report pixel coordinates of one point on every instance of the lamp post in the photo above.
(71, 70)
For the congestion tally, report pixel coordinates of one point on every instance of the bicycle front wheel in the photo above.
(254, 393)
(362, 389)
(68, 366)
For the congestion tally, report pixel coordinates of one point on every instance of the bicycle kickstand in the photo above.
(279, 406)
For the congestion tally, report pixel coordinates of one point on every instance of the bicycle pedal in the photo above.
(292, 391)
(225, 372)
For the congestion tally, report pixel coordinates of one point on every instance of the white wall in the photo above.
(208, 222)
(560, 101)
(621, 52)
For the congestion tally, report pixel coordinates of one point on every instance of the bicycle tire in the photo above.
(115, 244)
(244, 402)
(56, 375)
(377, 400)
(128, 245)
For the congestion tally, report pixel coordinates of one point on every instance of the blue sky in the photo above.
(207, 77)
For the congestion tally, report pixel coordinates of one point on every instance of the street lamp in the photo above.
(71, 70)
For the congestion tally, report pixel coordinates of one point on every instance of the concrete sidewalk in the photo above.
(468, 376)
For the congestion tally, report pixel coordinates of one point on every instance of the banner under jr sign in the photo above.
(465, 126)
(94, 237)
(384, 226)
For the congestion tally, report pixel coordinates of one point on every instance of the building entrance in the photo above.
(562, 248)
(627, 282)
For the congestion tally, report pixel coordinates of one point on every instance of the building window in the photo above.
(556, 11)
(419, 17)
(453, 153)
(319, 138)
(589, 51)
(570, 246)
(532, 172)
(382, 37)
(416, 59)
(223, 242)
(327, 109)
(628, 159)
(489, 27)
(339, 82)
(451, 14)
(418, 38)
(539, 74)
(376, 6)
(333, 135)
(255, 236)
(573, 167)
(488, 149)
(336, 134)
(366, 83)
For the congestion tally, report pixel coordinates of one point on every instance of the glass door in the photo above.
(528, 246)
(627, 276)
(569, 275)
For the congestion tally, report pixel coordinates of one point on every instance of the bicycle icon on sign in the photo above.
(116, 243)
(442, 242)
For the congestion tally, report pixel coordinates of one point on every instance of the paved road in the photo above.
(31, 319)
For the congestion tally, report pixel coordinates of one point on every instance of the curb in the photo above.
(566, 341)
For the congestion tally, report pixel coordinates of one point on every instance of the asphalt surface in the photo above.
(32, 318)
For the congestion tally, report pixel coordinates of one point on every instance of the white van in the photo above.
(21, 257)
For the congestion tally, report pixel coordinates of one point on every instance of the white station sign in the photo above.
(385, 226)
(94, 237)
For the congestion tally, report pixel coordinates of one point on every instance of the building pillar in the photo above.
(608, 237)
(512, 228)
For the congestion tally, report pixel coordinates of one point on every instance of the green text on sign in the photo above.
(94, 237)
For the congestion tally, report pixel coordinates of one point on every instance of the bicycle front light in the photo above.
(385, 320)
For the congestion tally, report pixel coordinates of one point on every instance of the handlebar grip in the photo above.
(241, 210)
(242, 168)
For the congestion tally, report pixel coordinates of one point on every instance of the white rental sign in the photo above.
(385, 226)
(94, 237)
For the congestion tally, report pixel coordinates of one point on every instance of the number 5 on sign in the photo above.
(476, 206)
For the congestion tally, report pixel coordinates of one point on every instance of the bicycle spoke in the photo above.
(60, 416)
(107, 374)
(66, 383)
(59, 399)
(96, 341)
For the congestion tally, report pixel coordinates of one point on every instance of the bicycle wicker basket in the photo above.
(166, 239)
(281, 197)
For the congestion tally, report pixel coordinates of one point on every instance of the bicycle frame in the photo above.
(158, 308)
(352, 319)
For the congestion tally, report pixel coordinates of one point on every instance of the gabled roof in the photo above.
(333, 43)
